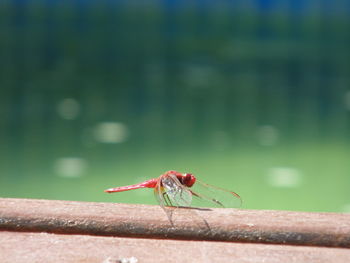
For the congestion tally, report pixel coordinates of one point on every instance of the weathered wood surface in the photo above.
(124, 220)
(57, 248)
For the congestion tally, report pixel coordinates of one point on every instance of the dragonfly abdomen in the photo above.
(147, 184)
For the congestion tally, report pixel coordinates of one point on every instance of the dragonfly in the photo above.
(176, 189)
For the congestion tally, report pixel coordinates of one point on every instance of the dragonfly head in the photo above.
(188, 179)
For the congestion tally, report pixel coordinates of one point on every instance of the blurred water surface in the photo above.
(251, 96)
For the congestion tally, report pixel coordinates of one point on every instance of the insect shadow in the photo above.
(186, 208)
(195, 208)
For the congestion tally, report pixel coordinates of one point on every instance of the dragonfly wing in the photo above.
(174, 193)
(159, 195)
(213, 196)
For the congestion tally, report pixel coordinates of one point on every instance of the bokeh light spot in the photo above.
(68, 109)
(346, 208)
(70, 167)
(111, 132)
(284, 177)
(267, 135)
(347, 100)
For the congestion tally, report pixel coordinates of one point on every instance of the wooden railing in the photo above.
(36, 231)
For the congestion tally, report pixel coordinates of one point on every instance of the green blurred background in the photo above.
(253, 96)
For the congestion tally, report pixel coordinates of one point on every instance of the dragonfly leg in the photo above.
(167, 199)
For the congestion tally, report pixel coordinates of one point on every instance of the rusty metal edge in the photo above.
(107, 219)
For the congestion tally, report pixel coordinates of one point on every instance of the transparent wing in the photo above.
(170, 192)
(159, 194)
(212, 196)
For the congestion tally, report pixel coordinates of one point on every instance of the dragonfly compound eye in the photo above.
(188, 179)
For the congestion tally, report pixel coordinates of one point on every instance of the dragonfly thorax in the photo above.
(174, 193)
(170, 185)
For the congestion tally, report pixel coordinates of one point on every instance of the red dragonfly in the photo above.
(175, 189)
